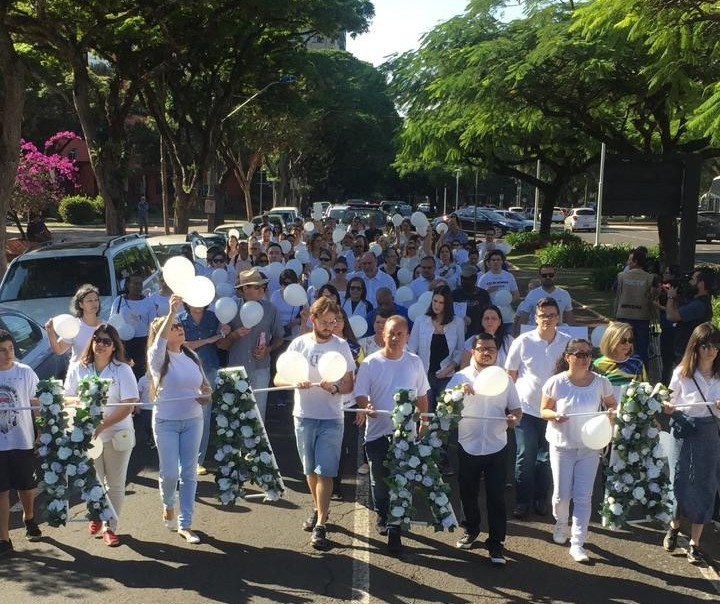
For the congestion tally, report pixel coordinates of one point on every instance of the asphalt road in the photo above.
(257, 552)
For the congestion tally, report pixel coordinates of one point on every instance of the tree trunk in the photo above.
(164, 184)
(183, 203)
(668, 237)
(281, 187)
(12, 99)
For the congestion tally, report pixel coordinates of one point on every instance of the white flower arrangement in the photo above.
(414, 465)
(244, 453)
(634, 477)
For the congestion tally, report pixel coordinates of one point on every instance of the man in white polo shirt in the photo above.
(530, 362)
(526, 309)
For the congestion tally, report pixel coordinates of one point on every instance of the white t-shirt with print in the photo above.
(18, 385)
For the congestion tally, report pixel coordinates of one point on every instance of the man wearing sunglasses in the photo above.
(526, 309)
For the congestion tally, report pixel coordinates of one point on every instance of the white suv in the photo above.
(42, 281)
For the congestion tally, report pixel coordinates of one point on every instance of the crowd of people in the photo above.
(476, 318)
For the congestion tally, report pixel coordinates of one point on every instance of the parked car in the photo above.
(226, 227)
(396, 207)
(288, 213)
(272, 219)
(519, 219)
(167, 246)
(424, 208)
(32, 346)
(558, 215)
(581, 219)
(42, 281)
(345, 214)
(526, 212)
(477, 220)
(708, 226)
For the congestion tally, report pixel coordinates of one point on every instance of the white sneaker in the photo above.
(560, 533)
(578, 554)
(363, 469)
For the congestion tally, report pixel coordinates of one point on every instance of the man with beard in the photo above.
(318, 413)
(697, 309)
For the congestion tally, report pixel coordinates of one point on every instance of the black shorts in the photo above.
(17, 470)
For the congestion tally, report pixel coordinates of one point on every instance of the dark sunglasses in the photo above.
(626, 341)
(102, 341)
(580, 355)
(547, 275)
(324, 259)
(356, 287)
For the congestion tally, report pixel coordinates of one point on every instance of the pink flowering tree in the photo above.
(43, 178)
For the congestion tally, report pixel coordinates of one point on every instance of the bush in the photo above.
(583, 255)
(530, 241)
(78, 209)
(603, 278)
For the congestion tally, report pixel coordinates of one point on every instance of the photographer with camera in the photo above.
(696, 310)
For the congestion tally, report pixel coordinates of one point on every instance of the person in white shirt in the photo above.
(526, 309)
(379, 377)
(497, 279)
(85, 305)
(530, 362)
(374, 279)
(483, 448)
(422, 283)
(105, 357)
(573, 389)
(318, 413)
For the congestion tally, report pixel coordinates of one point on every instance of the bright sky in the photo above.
(399, 24)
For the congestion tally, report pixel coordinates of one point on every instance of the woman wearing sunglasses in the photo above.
(340, 271)
(618, 363)
(697, 471)
(104, 356)
(573, 389)
(179, 387)
(356, 302)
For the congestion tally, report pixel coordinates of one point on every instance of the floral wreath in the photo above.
(414, 464)
(66, 465)
(634, 477)
(243, 452)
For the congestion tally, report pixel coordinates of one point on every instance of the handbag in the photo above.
(682, 426)
(123, 440)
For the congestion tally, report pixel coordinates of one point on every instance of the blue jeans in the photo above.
(260, 378)
(178, 442)
(437, 386)
(207, 419)
(376, 451)
(532, 467)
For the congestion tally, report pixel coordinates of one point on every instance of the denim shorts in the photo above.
(319, 443)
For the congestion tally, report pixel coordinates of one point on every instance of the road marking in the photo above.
(360, 547)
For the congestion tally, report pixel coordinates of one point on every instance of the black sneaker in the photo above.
(521, 511)
(394, 541)
(466, 541)
(670, 540)
(381, 526)
(496, 554)
(310, 521)
(6, 547)
(446, 469)
(319, 540)
(694, 555)
(32, 530)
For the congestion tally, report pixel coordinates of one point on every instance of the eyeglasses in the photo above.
(486, 349)
(341, 270)
(579, 355)
(626, 341)
(176, 326)
(707, 347)
(102, 341)
(547, 275)
(324, 259)
(544, 317)
(217, 260)
(329, 324)
(356, 287)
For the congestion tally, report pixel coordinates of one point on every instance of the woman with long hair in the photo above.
(411, 255)
(104, 356)
(356, 302)
(447, 269)
(392, 264)
(491, 322)
(573, 389)
(697, 473)
(179, 387)
(618, 363)
(85, 305)
(340, 270)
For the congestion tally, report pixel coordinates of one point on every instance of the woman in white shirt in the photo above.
(104, 356)
(696, 380)
(179, 388)
(573, 389)
(85, 305)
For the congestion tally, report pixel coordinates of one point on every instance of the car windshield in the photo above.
(364, 215)
(34, 278)
(585, 212)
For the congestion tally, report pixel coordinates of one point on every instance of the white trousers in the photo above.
(573, 472)
(111, 468)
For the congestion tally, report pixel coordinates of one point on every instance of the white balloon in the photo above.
(491, 381)
(66, 326)
(404, 276)
(295, 295)
(507, 313)
(219, 275)
(177, 273)
(317, 215)
(224, 290)
(597, 335)
(125, 331)
(404, 294)
(234, 233)
(332, 366)
(309, 227)
(319, 277)
(96, 448)
(416, 310)
(201, 251)
(226, 309)
(198, 292)
(502, 297)
(302, 255)
(441, 228)
(248, 228)
(375, 248)
(425, 299)
(422, 230)
(397, 219)
(504, 247)
(116, 321)
(285, 246)
(295, 265)
(293, 367)
(273, 270)
(251, 313)
(338, 234)
(359, 326)
(418, 219)
(596, 432)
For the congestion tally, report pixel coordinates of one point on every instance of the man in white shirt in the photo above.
(427, 275)
(318, 414)
(496, 279)
(379, 377)
(373, 278)
(530, 362)
(482, 449)
(526, 309)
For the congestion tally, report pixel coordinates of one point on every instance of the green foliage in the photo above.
(583, 255)
(603, 278)
(532, 241)
(78, 209)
